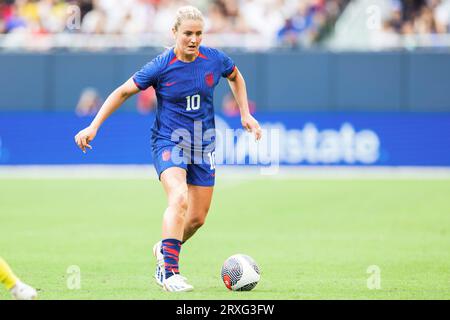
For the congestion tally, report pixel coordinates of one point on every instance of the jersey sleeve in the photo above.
(148, 75)
(227, 66)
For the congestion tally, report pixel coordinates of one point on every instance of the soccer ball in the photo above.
(240, 273)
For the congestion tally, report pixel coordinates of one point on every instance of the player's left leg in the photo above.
(199, 202)
(18, 289)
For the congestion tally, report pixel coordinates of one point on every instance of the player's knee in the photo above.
(179, 201)
(197, 222)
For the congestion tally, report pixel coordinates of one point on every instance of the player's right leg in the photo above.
(18, 289)
(173, 180)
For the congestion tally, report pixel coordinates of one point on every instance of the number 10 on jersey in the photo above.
(193, 102)
(212, 160)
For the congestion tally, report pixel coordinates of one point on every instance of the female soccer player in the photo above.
(184, 78)
(18, 289)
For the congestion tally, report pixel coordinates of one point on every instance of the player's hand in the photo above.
(84, 138)
(251, 125)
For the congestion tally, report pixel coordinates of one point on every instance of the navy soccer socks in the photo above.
(171, 251)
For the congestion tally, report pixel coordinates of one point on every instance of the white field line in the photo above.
(227, 172)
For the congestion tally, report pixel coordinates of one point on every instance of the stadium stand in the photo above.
(42, 24)
(391, 24)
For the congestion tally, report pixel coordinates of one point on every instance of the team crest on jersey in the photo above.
(209, 78)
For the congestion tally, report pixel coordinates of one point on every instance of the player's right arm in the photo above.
(114, 101)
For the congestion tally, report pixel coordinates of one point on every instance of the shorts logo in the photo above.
(166, 155)
(209, 78)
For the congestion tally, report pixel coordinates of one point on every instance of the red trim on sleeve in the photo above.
(234, 68)
(202, 56)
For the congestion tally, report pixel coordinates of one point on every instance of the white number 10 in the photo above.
(212, 160)
(193, 102)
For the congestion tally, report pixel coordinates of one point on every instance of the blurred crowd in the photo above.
(418, 17)
(286, 22)
(289, 23)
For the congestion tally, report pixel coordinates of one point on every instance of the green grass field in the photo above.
(313, 239)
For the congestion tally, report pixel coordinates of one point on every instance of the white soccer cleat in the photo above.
(160, 271)
(22, 291)
(177, 283)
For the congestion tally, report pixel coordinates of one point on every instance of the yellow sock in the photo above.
(7, 277)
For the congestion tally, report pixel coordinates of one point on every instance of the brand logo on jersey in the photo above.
(169, 84)
(166, 155)
(209, 78)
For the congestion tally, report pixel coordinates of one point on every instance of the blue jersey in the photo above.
(184, 91)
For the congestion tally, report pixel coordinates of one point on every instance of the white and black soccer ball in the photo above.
(240, 273)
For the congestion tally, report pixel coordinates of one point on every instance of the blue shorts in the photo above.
(199, 166)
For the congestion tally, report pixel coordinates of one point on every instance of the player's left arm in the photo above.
(239, 89)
